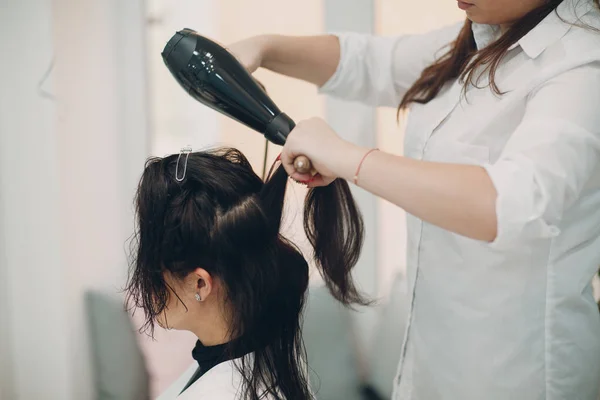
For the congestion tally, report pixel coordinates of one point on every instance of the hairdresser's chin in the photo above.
(498, 12)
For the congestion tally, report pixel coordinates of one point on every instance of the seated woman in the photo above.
(209, 259)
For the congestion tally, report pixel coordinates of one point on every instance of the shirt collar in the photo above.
(547, 32)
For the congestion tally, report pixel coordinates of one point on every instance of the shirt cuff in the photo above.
(332, 84)
(520, 206)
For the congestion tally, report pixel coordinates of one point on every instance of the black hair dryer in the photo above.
(214, 77)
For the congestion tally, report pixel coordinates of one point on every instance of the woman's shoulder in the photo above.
(220, 382)
(223, 381)
(581, 39)
(176, 387)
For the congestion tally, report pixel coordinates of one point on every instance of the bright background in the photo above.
(84, 100)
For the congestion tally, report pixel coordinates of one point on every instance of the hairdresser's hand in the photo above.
(249, 52)
(314, 139)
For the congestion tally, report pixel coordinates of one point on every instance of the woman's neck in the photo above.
(213, 331)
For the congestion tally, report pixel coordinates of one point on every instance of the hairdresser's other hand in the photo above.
(249, 52)
(314, 139)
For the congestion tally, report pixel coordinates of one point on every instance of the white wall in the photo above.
(176, 119)
(5, 340)
(68, 166)
(32, 263)
(100, 81)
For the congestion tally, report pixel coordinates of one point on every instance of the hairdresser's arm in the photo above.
(546, 164)
(459, 198)
(310, 58)
(371, 69)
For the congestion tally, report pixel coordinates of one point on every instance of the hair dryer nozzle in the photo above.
(178, 53)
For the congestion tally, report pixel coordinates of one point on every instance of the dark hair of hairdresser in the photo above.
(224, 218)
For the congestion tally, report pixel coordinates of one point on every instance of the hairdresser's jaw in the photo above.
(499, 12)
(206, 318)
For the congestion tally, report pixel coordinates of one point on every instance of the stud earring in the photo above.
(197, 296)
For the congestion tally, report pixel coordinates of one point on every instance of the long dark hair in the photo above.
(224, 218)
(463, 60)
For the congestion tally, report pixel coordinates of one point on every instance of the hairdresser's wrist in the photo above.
(345, 159)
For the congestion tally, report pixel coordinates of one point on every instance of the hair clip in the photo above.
(184, 150)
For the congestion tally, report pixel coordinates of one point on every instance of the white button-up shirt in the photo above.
(514, 319)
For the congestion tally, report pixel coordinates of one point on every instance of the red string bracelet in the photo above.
(360, 165)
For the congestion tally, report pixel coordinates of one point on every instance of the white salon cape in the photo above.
(221, 382)
(514, 319)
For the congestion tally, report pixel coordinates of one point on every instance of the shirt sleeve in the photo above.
(378, 70)
(549, 158)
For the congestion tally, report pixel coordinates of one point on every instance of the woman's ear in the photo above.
(203, 284)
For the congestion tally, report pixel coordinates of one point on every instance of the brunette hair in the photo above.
(224, 218)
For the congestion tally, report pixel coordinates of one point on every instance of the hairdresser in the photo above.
(500, 178)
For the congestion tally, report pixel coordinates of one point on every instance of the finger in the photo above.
(318, 181)
(287, 161)
(302, 178)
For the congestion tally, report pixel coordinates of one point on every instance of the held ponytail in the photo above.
(334, 227)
